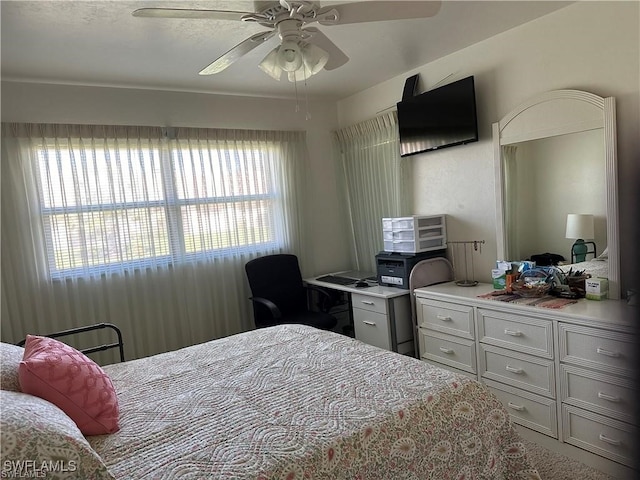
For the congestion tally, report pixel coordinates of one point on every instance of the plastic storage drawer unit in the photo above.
(414, 234)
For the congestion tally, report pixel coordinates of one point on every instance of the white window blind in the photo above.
(114, 204)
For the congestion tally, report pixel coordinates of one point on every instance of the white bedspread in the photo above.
(596, 267)
(293, 402)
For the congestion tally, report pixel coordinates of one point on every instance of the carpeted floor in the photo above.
(553, 466)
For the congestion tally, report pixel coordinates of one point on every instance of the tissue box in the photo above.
(596, 296)
(596, 288)
(502, 265)
(499, 279)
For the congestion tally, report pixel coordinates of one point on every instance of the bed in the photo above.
(596, 267)
(288, 402)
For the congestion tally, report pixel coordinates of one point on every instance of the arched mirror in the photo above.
(555, 155)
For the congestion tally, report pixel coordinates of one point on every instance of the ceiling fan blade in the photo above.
(337, 57)
(189, 13)
(236, 52)
(374, 11)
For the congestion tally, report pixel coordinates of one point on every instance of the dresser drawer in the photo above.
(517, 369)
(526, 409)
(454, 370)
(612, 352)
(372, 328)
(598, 434)
(367, 302)
(516, 332)
(600, 393)
(454, 351)
(445, 317)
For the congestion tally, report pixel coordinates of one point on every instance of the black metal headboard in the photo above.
(119, 344)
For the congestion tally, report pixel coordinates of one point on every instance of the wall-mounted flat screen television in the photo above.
(439, 118)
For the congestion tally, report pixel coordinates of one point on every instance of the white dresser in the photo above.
(567, 374)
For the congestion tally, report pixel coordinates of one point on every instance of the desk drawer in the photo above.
(598, 392)
(372, 328)
(454, 351)
(369, 303)
(603, 350)
(445, 317)
(517, 369)
(526, 409)
(598, 434)
(516, 332)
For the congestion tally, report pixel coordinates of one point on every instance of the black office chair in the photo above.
(280, 296)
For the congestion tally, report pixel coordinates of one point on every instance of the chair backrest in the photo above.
(424, 273)
(277, 278)
(429, 272)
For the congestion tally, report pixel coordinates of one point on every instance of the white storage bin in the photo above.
(425, 222)
(432, 232)
(414, 234)
(398, 234)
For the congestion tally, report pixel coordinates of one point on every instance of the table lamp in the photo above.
(579, 227)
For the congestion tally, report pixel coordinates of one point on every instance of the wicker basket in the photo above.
(530, 290)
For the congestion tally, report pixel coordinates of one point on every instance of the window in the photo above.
(124, 204)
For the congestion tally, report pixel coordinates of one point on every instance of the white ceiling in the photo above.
(101, 43)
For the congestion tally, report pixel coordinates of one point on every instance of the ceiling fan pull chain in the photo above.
(295, 86)
(306, 96)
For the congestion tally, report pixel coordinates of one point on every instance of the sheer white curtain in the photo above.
(377, 183)
(127, 226)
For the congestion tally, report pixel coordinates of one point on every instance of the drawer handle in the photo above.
(367, 302)
(444, 318)
(446, 350)
(513, 333)
(369, 322)
(519, 408)
(608, 440)
(610, 398)
(511, 369)
(608, 353)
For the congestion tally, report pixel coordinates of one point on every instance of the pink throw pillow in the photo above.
(70, 380)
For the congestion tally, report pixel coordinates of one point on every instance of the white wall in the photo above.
(591, 46)
(46, 103)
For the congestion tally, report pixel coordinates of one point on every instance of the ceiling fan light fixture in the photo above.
(299, 61)
(289, 56)
(314, 58)
(269, 65)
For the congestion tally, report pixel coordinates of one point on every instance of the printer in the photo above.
(393, 268)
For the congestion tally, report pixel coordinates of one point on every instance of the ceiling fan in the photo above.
(304, 50)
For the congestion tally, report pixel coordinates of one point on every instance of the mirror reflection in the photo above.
(547, 179)
(556, 178)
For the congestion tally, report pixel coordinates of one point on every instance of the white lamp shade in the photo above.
(270, 66)
(579, 225)
(314, 58)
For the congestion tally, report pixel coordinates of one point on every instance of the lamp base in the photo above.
(579, 250)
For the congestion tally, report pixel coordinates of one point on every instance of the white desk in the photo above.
(381, 315)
